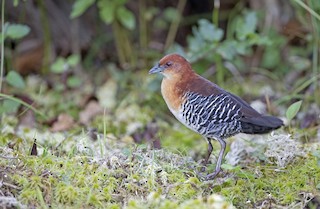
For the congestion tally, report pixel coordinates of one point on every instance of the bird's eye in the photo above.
(168, 64)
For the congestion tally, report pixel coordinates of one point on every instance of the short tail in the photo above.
(260, 125)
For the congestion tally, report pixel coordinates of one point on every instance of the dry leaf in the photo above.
(28, 119)
(92, 109)
(64, 122)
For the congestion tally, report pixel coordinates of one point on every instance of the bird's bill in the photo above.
(156, 69)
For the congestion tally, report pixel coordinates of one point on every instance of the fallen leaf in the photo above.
(26, 116)
(28, 119)
(92, 109)
(63, 123)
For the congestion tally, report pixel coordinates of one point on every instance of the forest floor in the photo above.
(134, 154)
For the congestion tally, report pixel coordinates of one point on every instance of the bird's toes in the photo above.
(201, 176)
(206, 177)
(211, 176)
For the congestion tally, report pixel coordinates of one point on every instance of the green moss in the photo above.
(137, 177)
(183, 191)
(177, 176)
(180, 138)
(66, 193)
(284, 186)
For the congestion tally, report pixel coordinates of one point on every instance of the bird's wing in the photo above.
(214, 115)
(204, 87)
(201, 109)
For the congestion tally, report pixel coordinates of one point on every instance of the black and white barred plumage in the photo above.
(214, 116)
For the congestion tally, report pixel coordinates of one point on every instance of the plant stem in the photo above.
(143, 25)
(22, 103)
(127, 48)
(117, 34)
(219, 69)
(175, 25)
(315, 56)
(306, 7)
(215, 12)
(2, 44)
(217, 58)
(46, 36)
(123, 45)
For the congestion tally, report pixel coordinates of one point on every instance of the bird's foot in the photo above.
(203, 168)
(204, 165)
(209, 176)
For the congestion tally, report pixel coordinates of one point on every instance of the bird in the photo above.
(206, 108)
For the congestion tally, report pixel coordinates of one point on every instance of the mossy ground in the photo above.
(79, 168)
(116, 173)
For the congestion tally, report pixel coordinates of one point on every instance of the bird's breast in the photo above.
(172, 94)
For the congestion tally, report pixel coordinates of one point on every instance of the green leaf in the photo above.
(127, 152)
(74, 81)
(246, 26)
(73, 60)
(15, 79)
(126, 18)
(209, 31)
(9, 106)
(15, 3)
(251, 21)
(121, 2)
(107, 14)
(227, 49)
(80, 6)
(205, 37)
(59, 66)
(293, 110)
(16, 31)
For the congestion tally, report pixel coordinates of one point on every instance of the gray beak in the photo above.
(156, 69)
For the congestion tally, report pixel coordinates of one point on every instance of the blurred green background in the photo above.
(60, 55)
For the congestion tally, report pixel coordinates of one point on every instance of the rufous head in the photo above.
(172, 65)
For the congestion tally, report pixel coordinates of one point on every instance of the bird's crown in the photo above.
(172, 64)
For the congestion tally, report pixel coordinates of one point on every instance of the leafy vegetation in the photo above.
(94, 132)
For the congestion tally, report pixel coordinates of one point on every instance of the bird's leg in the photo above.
(219, 161)
(210, 148)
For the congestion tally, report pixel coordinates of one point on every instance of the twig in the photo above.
(9, 158)
(10, 185)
